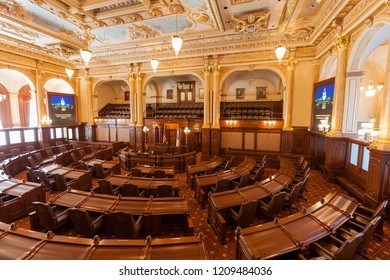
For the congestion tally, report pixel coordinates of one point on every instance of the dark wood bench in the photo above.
(351, 187)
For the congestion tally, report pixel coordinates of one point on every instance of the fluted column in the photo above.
(216, 97)
(78, 96)
(88, 82)
(207, 101)
(39, 76)
(138, 81)
(291, 65)
(132, 98)
(383, 142)
(342, 44)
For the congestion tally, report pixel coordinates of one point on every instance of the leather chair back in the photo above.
(124, 225)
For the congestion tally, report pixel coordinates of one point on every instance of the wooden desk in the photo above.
(204, 182)
(220, 202)
(148, 170)
(143, 183)
(198, 169)
(114, 166)
(296, 231)
(153, 210)
(82, 177)
(16, 198)
(20, 243)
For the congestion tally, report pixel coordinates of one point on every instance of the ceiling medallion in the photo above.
(155, 12)
(251, 23)
(176, 9)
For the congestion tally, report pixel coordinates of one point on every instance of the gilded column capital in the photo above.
(131, 76)
(342, 42)
(216, 70)
(39, 74)
(207, 70)
(292, 64)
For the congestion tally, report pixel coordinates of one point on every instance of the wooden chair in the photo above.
(15, 152)
(351, 228)
(136, 172)
(292, 197)
(244, 181)
(124, 225)
(246, 214)
(49, 152)
(49, 183)
(221, 185)
(31, 175)
(165, 191)
(258, 176)
(85, 224)
(106, 187)
(30, 148)
(159, 174)
(274, 207)
(363, 215)
(131, 190)
(101, 172)
(2, 156)
(61, 184)
(50, 217)
(32, 163)
(337, 249)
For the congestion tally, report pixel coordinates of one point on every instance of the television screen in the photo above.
(323, 105)
(62, 109)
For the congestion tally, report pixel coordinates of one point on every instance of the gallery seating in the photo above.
(50, 217)
(124, 225)
(85, 224)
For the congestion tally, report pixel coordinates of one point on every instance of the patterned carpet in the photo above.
(317, 189)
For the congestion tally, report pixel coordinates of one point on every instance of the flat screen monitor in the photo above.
(323, 104)
(62, 109)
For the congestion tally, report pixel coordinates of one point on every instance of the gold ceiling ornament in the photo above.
(251, 23)
(155, 13)
(176, 9)
(387, 2)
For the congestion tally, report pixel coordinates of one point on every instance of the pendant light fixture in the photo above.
(69, 73)
(371, 90)
(280, 51)
(154, 63)
(177, 41)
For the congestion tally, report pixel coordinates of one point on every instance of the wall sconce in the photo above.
(324, 126)
(269, 123)
(3, 97)
(186, 132)
(231, 122)
(145, 130)
(367, 133)
(46, 121)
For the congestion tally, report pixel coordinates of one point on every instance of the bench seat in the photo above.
(351, 187)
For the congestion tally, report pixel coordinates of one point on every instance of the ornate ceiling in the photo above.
(122, 32)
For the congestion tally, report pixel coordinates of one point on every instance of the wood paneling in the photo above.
(287, 141)
(378, 184)
(249, 140)
(268, 141)
(335, 157)
(231, 139)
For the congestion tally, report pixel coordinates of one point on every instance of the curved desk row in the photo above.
(129, 159)
(143, 183)
(203, 182)
(16, 198)
(19, 243)
(155, 210)
(201, 168)
(296, 231)
(220, 201)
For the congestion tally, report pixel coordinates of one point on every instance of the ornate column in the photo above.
(383, 142)
(342, 44)
(140, 117)
(41, 96)
(88, 82)
(14, 104)
(131, 78)
(207, 101)
(289, 100)
(216, 96)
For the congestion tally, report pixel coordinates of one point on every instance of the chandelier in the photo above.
(154, 63)
(177, 41)
(86, 55)
(69, 73)
(367, 131)
(45, 121)
(371, 89)
(280, 51)
(2, 97)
